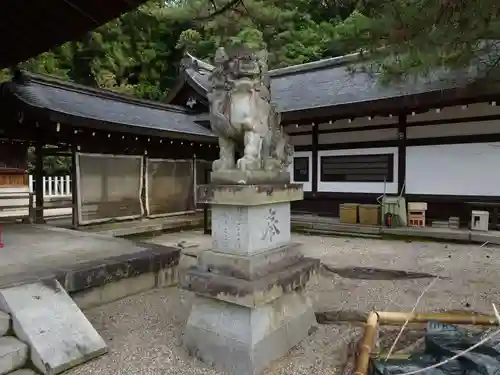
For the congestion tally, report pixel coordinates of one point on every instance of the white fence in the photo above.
(53, 187)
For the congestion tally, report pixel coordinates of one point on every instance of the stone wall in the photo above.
(13, 352)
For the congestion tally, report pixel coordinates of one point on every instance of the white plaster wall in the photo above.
(306, 186)
(457, 169)
(359, 187)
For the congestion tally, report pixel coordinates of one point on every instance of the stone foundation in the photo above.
(13, 352)
(250, 307)
(47, 331)
(243, 340)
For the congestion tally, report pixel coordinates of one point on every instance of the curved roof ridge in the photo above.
(198, 64)
(313, 65)
(193, 62)
(48, 80)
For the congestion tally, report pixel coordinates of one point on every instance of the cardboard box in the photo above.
(349, 213)
(369, 214)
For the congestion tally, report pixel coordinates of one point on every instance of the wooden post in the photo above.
(314, 159)
(39, 188)
(402, 154)
(74, 186)
(206, 227)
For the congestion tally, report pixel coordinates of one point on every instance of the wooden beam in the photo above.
(74, 187)
(39, 179)
(402, 154)
(314, 159)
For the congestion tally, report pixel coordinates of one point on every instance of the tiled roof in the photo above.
(328, 83)
(126, 113)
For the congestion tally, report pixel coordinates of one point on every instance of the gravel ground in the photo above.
(144, 331)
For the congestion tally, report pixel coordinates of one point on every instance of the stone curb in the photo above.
(83, 276)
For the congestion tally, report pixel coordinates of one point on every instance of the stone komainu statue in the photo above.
(242, 116)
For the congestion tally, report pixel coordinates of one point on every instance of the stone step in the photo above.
(13, 354)
(4, 323)
(48, 320)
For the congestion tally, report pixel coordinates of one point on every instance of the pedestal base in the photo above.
(243, 341)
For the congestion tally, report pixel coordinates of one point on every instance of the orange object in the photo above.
(416, 219)
(375, 319)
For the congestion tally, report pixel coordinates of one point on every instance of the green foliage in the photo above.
(415, 37)
(139, 53)
(52, 165)
(287, 29)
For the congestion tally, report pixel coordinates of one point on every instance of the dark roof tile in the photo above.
(329, 83)
(101, 105)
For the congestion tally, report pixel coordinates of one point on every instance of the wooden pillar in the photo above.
(402, 154)
(206, 227)
(314, 159)
(39, 179)
(74, 186)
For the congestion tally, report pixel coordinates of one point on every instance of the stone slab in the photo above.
(249, 195)
(152, 258)
(436, 233)
(13, 354)
(244, 341)
(46, 318)
(492, 237)
(24, 371)
(239, 177)
(82, 276)
(4, 323)
(78, 260)
(250, 293)
(250, 267)
(250, 230)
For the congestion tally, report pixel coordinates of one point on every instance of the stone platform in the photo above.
(93, 268)
(250, 307)
(47, 274)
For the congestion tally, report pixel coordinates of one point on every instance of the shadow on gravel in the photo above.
(368, 273)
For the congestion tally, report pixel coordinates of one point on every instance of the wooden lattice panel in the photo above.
(13, 178)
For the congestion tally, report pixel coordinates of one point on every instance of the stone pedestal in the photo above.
(250, 307)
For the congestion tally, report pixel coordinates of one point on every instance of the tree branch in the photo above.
(219, 11)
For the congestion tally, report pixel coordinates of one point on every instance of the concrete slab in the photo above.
(305, 223)
(24, 371)
(433, 233)
(46, 318)
(4, 323)
(492, 236)
(250, 267)
(249, 195)
(13, 354)
(78, 260)
(243, 341)
(144, 226)
(250, 293)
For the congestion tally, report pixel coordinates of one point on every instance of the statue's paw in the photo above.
(248, 165)
(222, 164)
(272, 164)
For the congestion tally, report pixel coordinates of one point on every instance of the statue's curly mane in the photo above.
(241, 112)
